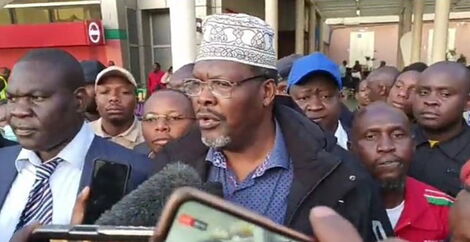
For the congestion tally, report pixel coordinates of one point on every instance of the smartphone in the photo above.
(191, 215)
(108, 186)
(92, 233)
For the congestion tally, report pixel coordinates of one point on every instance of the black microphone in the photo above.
(143, 206)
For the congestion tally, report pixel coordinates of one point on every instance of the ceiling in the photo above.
(348, 8)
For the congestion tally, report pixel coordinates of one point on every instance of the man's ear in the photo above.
(467, 103)
(81, 98)
(269, 92)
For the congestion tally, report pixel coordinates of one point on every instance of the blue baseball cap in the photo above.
(310, 64)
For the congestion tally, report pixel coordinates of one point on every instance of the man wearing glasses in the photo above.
(268, 157)
(168, 115)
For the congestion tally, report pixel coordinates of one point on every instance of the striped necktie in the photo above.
(39, 205)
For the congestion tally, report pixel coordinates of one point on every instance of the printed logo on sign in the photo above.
(94, 33)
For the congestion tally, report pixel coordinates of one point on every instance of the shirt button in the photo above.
(352, 178)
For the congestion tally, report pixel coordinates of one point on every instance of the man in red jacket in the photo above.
(155, 79)
(381, 138)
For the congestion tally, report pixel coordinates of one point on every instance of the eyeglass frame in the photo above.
(165, 118)
(208, 83)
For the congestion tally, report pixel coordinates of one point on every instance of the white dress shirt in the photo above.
(64, 183)
(341, 136)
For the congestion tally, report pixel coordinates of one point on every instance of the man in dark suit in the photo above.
(40, 178)
(4, 142)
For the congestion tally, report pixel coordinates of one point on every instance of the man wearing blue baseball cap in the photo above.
(315, 83)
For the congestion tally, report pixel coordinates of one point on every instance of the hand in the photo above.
(24, 234)
(79, 209)
(329, 226)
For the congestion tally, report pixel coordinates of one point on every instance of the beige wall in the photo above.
(386, 40)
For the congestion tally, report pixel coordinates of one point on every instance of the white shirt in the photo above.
(341, 136)
(395, 213)
(64, 183)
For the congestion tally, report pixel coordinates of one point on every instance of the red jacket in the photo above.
(425, 216)
(155, 81)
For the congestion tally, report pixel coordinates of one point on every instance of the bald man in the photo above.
(442, 137)
(380, 82)
(383, 141)
(57, 150)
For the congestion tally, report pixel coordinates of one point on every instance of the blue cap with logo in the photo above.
(311, 64)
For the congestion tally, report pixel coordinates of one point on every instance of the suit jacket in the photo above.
(320, 178)
(4, 142)
(141, 167)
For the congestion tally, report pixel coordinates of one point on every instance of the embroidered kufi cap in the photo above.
(238, 37)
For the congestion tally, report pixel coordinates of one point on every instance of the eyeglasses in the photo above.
(168, 119)
(219, 87)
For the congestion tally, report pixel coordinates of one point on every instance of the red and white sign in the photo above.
(95, 33)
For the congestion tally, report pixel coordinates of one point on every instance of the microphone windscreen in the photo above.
(143, 206)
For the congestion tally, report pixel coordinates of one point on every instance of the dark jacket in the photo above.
(4, 142)
(440, 166)
(141, 167)
(320, 178)
(346, 117)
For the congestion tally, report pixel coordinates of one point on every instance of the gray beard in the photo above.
(216, 143)
(393, 186)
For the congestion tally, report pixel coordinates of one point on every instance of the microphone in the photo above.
(143, 206)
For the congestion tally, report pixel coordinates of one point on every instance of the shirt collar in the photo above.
(341, 136)
(131, 134)
(70, 153)
(278, 157)
(451, 147)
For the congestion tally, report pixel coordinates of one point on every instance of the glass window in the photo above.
(32, 16)
(72, 14)
(163, 56)
(135, 63)
(5, 17)
(161, 28)
(132, 26)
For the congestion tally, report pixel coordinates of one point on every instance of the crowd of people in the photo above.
(274, 133)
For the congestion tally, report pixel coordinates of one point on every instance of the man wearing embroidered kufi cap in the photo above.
(268, 157)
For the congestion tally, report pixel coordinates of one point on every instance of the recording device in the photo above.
(143, 206)
(137, 213)
(194, 216)
(108, 186)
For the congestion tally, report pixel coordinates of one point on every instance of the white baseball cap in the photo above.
(115, 70)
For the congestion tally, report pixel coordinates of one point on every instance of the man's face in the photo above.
(440, 100)
(400, 95)
(319, 98)
(90, 103)
(42, 110)
(116, 99)
(167, 116)
(3, 115)
(383, 142)
(226, 122)
(282, 88)
(374, 88)
(362, 94)
(156, 67)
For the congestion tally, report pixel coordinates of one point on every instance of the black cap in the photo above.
(91, 70)
(284, 65)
